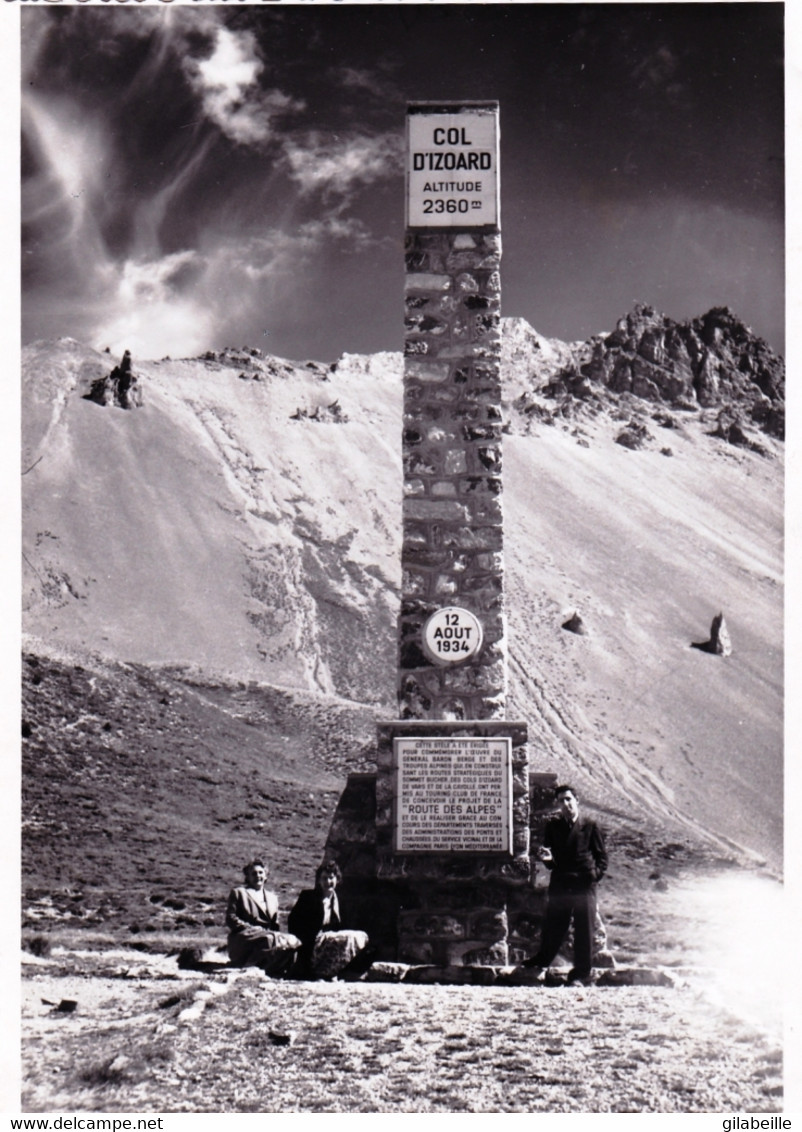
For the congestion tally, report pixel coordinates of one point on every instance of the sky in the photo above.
(201, 176)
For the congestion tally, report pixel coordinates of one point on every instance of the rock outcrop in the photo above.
(332, 414)
(120, 387)
(575, 624)
(713, 361)
(719, 643)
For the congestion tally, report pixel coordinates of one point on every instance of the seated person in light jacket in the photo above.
(254, 939)
(328, 946)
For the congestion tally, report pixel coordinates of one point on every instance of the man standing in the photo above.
(573, 849)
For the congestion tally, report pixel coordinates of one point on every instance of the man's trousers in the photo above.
(566, 901)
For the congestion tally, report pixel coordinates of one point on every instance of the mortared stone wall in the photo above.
(452, 512)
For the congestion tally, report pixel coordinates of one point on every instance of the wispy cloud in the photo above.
(228, 85)
(337, 228)
(657, 71)
(362, 79)
(280, 254)
(170, 304)
(157, 308)
(338, 165)
(66, 178)
(137, 238)
(223, 65)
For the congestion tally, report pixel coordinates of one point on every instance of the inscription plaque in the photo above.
(452, 166)
(453, 795)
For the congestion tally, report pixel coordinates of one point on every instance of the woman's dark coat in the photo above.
(306, 920)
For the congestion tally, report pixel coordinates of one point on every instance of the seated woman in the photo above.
(328, 947)
(254, 939)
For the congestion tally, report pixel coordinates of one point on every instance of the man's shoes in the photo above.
(535, 972)
(575, 979)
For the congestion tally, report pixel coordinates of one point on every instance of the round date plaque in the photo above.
(452, 635)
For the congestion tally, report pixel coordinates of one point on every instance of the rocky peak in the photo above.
(713, 361)
(525, 353)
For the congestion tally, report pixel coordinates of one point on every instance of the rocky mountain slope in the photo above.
(710, 362)
(238, 523)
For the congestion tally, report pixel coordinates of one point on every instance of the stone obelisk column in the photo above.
(437, 844)
(452, 659)
(452, 800)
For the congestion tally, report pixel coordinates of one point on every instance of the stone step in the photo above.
(631, 976)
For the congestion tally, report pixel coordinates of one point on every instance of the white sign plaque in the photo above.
(453, 795)
(452, 167)
(451, 635)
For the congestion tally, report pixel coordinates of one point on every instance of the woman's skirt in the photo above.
(274, 952)
(333, 951)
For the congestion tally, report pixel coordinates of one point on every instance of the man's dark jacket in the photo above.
(579, 854)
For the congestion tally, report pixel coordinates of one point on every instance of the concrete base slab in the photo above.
(463, 976)
(386, 973)
(639, 977)
(424, 974)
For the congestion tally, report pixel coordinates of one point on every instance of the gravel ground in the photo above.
(145, 1037)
